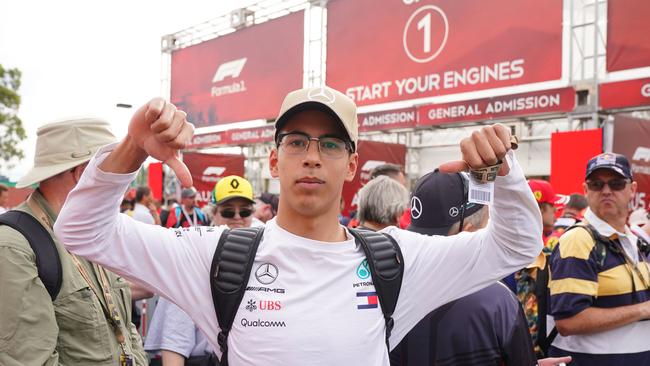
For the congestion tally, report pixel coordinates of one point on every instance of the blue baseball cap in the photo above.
(615, 162)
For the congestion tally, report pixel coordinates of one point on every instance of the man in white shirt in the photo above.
(144, 210)
(318, 317)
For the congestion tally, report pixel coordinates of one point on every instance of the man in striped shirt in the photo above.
(600, 278)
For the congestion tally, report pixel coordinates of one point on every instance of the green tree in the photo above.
(11, 127)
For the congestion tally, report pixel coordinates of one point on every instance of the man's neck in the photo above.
(189, 209)
(372, 225)
(324, 227)
(55, 197)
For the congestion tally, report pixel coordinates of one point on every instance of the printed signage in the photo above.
(384, 51)
(625, 94)
(517, 105)
(239, 76)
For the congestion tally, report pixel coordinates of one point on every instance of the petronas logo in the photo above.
(363, 272)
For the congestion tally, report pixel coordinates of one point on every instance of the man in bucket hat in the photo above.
(318, 308)
(86, 319)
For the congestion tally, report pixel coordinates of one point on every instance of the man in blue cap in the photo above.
(600, 287)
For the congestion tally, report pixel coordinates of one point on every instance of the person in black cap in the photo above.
(266, 207)
(484, 328)
(600, 284)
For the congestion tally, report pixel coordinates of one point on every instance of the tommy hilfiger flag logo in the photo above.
(367, 300)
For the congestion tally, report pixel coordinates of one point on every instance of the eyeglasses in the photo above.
(296, 143)
(614, 184)
(230, 213)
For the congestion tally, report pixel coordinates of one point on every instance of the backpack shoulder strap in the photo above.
(231, 267)
(48, 262)
(601, 242)
(386, 268)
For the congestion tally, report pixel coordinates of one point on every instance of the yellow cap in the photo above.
(232, 186)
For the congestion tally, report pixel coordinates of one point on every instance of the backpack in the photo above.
(601, 243)
(235, 254)
(48, 262)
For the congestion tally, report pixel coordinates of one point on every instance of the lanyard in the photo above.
(630, 266)
(109, 309)
(192, 222)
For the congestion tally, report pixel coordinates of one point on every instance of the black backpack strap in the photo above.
(48, 262)
(386, 268)
(231, 268)
(541, 291)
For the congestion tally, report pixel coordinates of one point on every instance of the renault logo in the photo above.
(266, 273)
(416, 207)
(234, 183)
(322, 95)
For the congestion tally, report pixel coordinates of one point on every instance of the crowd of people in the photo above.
(534, 278)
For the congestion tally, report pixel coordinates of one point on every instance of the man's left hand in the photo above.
(485, 147)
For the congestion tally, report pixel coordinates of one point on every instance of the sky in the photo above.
(84, 57)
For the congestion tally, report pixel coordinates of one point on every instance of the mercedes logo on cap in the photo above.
(266, 273)
(416, 207)
(453, 212)
(321, 95)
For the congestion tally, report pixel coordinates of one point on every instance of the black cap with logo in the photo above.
(616, 162)
(437, 203)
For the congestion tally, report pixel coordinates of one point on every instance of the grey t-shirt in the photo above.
(172, 329)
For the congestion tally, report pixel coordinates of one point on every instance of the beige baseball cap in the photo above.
(325, 99)
(64, 144)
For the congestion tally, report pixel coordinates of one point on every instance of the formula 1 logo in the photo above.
(229, 69)
(214, 170)
(425, 34)
(641, 154)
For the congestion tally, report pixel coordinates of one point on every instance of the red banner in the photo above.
(238, 136)
(207, 169)
(632, 139)
(570, 152)
(388, 120)
(246, 136)
(240, 76)
(382, 51)
(624, 94)
(372, 154)
(627, 34)
(155, 180)
(517, 105)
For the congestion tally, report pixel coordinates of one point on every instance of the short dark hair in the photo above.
(577, 201)
(3, 188)
(141, 192)
(388, 169)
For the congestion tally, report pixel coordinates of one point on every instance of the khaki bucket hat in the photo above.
(64, 144)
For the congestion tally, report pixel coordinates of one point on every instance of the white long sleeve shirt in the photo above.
(314, 309)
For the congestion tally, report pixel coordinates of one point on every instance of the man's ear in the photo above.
(273, 163)
(353, 163)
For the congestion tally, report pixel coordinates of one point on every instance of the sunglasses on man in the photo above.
(597, 185)
(229, 213)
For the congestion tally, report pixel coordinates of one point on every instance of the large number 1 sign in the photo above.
(384, 51)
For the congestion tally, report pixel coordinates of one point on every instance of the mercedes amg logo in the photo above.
(453, 212)
(266, 273)
(322, 95)
(416, 207)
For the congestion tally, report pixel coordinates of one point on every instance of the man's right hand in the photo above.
(161, 131)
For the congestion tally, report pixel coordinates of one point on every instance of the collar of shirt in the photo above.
(628, 239)
(38, 197)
